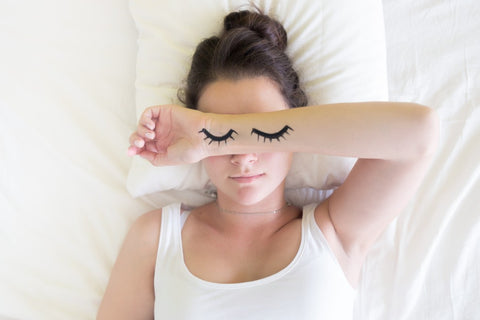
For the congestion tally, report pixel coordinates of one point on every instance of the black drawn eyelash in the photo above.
(225, 137)
(271, 136)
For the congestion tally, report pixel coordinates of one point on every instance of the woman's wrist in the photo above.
(219, 134)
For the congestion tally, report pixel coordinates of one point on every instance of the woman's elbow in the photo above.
(428, 132)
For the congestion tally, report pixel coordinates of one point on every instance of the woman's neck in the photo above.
(249, 212)
(259, 219)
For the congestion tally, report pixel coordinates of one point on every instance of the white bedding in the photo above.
(67, 107)
(427, 266)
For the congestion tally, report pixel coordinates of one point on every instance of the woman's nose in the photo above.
(242, 159)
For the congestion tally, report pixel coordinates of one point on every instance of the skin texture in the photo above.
(393, 141)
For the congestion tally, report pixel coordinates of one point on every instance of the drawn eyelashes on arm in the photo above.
(259, 133)
(225, 137)
(271, 136)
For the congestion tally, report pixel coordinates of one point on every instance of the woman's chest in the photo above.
(224, 259)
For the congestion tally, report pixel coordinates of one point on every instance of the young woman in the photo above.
(249, 254)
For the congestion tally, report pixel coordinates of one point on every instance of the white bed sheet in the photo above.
(427, 265)
(66, 109)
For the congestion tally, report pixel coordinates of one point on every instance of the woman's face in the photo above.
(246, 178)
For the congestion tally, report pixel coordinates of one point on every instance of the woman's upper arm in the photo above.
(130, 291)
(378, 189)
(373, 194)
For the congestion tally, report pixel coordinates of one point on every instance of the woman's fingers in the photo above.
(148, 117)
(143, 142)
(132, 151)
(151, 139)
(141, 136)
(155, 158)
(136, 140)
(145, 133)
(137, 143)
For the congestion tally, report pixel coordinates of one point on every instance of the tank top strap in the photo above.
(183, 217)
(317, 242)
(170, 230)
(308, 219)
(315, 235)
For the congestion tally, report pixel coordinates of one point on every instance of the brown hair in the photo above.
(251, 44)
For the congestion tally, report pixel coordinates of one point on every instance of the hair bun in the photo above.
(262, 24)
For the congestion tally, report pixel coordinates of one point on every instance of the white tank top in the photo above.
(312, 286)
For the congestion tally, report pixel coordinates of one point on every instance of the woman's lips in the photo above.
(247, 178)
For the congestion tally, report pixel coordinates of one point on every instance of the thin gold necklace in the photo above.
(257, 212)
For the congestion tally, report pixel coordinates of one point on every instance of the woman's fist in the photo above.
(168, 135)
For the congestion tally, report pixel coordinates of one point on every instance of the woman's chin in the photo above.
(251, 196)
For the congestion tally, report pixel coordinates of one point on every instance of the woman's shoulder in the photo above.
(150, 222)
(149, 219)
(145, 230)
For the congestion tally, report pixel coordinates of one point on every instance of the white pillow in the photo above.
(337, 47)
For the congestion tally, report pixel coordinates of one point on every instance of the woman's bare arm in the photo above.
(130, 292)
(371, 130)
(393, 141)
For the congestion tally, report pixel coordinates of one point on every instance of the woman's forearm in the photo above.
(376, 130)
